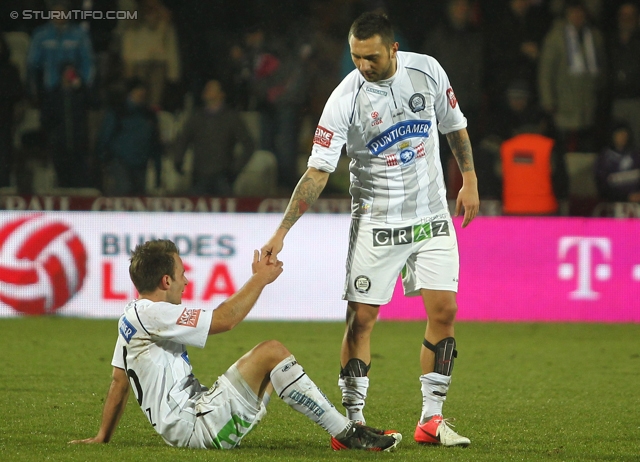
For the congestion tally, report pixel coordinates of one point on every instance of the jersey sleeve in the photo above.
(118, 357)
(448, 112)
(178, 323)
(331, 132)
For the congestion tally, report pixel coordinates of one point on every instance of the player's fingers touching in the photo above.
(273, 257)
(265, 252)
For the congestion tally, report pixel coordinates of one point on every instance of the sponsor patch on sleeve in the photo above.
(453, 102)
(322, 137)
(189, 318)
(126, 329)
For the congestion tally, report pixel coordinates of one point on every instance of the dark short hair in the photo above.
(150, 262)
(369, 24)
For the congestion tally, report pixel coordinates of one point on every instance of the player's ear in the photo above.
(165, 282)
(394, 49)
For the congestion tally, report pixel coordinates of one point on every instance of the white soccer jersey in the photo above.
(389, 128)
(151, 349)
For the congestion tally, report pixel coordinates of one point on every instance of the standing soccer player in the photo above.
(387, 112)
(151, 358)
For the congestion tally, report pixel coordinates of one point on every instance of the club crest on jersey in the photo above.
(375, 91)
(417, 102)
(126, 329)
(453, 102)
(362, 284)
(322, 137)
(188, 318)
(405, 156)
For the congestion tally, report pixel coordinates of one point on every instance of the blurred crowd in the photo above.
(221, 98)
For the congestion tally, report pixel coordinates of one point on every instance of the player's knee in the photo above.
(273, 351)
(361, 319)
(443, 313)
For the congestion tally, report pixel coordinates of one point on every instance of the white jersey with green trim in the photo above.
(389, 128)
(151, 349)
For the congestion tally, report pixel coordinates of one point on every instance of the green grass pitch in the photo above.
(520, 392)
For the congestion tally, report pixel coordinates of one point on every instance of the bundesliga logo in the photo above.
(43, 264)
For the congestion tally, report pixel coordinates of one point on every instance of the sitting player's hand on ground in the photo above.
(92, 440)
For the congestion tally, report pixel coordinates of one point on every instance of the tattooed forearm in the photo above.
(461, 147)
(306, 193)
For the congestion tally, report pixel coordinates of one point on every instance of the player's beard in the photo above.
(377, 76)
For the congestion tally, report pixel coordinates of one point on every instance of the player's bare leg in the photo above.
(437, 354)
(355, 357)
(361, 318)
(271, 364)
(441, 308)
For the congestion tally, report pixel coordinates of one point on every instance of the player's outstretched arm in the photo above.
(468, 196)
(114, 406)
(234, 309)
(304, 196)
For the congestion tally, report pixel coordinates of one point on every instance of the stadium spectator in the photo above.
(513, 48)
(527, 175)
(517, 113)
(68, 130)
(11, 92)
(60, 72)
(150, 50)
(624, 56)
(151, 356)
(571, 76)
(617, 168)
(100, 30)
(213, 132)
(459, 46)
(279, 85)
(129, 138)
(388, 115)
(592, 7)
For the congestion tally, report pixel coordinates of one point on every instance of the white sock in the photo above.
(263, 408)
(434, 394)
(294, 386)
(354, 394)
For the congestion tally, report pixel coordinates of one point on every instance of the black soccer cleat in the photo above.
(362, 437)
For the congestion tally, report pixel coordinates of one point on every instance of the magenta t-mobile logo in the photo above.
(584, 270)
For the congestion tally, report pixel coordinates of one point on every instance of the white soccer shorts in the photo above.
(424, 251)
(225, 413)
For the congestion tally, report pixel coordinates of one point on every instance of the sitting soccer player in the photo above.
(151, 356)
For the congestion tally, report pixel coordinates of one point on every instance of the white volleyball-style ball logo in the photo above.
(43, 264)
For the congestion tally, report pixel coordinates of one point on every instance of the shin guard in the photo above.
(445, 351)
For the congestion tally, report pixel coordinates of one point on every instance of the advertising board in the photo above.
(512, 269)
